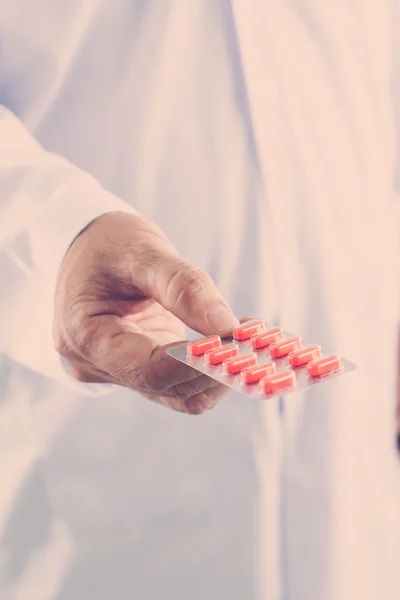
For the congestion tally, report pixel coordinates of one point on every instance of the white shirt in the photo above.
(261, 137)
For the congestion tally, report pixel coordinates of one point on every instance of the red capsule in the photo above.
(324, 366)
(247, 330)
(200, 347)
(254, 374)
(304, 356)
(218, 356)
(262, 340)
(283, 348)
(279, 381)
(238, 363)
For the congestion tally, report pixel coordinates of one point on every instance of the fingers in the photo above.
(135, 360)
(228, 332)
(111, 351)
(198, 403)
(189, 293)
(192, 387)
(140, 258)
(129, 255)
(146, 368)
(245, 319)
(118, 261)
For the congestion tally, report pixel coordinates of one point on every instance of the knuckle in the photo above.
(185, 390)
(158, 375)
(151, 381)
(127, 375)
(195, 406)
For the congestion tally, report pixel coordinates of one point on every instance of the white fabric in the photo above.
(45, 203)
(261, 137)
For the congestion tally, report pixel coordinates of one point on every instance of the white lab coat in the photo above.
(261, 136)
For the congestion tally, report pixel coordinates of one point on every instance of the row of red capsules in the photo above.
(262, 361)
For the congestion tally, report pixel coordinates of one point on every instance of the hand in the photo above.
(123, 295)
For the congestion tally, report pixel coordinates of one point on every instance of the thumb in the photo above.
(190, 294)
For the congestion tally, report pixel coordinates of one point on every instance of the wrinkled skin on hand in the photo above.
(123, 295)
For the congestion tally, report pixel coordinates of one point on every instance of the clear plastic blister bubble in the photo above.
(260, 360)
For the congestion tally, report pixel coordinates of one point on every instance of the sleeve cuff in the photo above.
(70, 209)
(30, 269)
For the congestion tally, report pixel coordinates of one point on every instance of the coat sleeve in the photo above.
(45, 202)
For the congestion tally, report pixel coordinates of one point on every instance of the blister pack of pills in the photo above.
(261, 360)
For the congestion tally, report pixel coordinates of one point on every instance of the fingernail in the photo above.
(222, 318)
